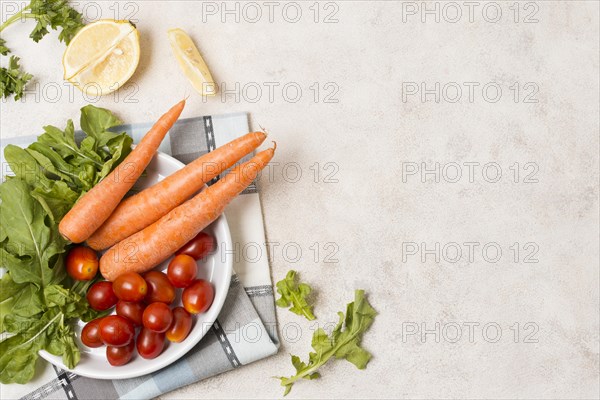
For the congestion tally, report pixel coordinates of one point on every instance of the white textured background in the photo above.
(369, 134)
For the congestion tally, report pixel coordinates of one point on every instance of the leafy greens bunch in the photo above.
(48, 14)
(38, 301)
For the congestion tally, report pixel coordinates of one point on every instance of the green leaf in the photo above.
(57, 200)
(54, 14)
(3, 49)
(54, 166)
(32, 243)
(63, 142)
(25, 166)
(12, 78)
(19, 353)
(294, 295)
(344, 342)
(119, 147)
(18, 356)
(33, 167)
(96, 122)
(18, 299)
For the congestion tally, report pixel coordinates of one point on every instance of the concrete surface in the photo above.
(522, 323)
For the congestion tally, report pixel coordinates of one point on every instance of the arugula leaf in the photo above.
(96, 122)
(33, 244)
(342, 343)
(295, 295)
(35, 168)
(63, 142)
(19, 353)
(12, 78)
(18, 299)
(52, 331)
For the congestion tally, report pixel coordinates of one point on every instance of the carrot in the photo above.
(149, 247)
(95, 206)
(138, 211)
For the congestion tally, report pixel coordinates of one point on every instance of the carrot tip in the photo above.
(263, 129)
(274, 145)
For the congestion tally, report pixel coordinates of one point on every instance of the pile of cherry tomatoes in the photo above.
(142, 301)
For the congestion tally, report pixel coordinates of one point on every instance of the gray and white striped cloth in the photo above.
(245, 330)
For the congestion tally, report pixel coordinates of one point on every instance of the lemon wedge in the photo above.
(191, 62)
(102, 56)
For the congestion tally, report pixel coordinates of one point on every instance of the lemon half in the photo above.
(102, 56)
(191, 62)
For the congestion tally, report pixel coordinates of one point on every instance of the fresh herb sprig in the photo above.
(13, 79)
(48, 14)
(344, 342)
(295, 295)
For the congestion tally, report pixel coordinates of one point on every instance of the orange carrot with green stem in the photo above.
(149, 247)
(91, 210)
(138, 211)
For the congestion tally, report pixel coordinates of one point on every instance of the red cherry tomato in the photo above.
(150, 344)
(198, 297)
(159, 288)
(117, 356)
(130, 286)
(90, 334)
(82, 263)
(101, 296)
(157, 317)
(199, 246)
(131, 311)
(181, 326)
(182, 270)
(116, 330)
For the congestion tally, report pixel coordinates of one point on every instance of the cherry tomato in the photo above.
(150, 344)
(157, 317)
(181, 326)
(159, 288)
(117, 356)
(116, 330)
(199, 246)
(130, 286)
(101, 296)
(82, 263)
(131, 311)
(198, 297)
(90, 334)
(182, 270)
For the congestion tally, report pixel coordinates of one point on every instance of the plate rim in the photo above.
(157, 364)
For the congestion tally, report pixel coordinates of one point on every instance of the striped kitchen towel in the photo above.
(245, 330)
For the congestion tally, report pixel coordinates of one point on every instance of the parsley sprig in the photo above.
(48, 14)
(13, 79)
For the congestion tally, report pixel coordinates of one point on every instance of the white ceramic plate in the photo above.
(216, 268)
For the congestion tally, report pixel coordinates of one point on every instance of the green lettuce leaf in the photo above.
(294, 295)
(344, 342)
